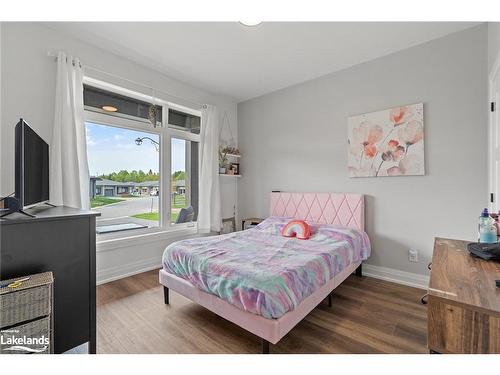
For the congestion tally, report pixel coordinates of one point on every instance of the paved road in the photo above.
(119, 213)
(131, 206)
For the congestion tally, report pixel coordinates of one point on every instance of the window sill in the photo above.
(144, 238)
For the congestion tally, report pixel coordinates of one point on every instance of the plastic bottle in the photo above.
(487, 230)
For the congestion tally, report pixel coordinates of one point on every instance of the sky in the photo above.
(111, 149)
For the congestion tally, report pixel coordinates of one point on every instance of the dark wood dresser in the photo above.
(60, 240)
(464, 303)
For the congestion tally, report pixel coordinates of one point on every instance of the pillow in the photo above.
(297, 228)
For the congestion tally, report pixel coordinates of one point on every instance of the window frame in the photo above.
(165, 133)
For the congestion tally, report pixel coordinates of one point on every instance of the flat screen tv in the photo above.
(32, 166)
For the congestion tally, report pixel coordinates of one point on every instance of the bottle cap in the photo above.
(485, 213)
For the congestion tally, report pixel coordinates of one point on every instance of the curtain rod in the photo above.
(55, 55)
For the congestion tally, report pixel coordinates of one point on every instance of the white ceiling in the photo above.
(246, 62)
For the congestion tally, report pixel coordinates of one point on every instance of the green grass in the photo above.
(155, 216)
(148, 216)
(179, 201)
(103, 201)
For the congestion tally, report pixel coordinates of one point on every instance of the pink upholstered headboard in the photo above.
(324, 208)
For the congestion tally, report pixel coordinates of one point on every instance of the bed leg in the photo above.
(165, 295)
(359, 270)
(330, 300)
(265, 346)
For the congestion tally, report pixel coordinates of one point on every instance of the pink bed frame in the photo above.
(330, 208)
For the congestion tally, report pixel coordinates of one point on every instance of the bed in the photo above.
(267, 283)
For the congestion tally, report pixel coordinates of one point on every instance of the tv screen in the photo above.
(32, 166)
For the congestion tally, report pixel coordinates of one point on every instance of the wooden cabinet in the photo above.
(464, 303)
(60, 240)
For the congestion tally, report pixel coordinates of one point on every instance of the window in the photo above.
(184, 121)
(126, 178)
(142, 177)
(184, 131)
(184, 180)
(113, 104)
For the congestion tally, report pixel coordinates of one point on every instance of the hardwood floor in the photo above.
(368, 316)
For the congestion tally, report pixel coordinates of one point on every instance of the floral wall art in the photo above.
(387, 143)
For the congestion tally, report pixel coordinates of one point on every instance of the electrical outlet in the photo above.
(413, 255)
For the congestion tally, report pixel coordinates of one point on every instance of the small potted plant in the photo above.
(222, 160)
(232, 150)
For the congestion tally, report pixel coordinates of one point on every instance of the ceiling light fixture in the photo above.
(109, 108)
(250, 23)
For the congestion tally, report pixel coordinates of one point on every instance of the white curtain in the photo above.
(69, 172)
(209, 211)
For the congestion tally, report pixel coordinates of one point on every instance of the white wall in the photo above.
(296, 140)
(1, 75)
(27, 90)
(493, 43)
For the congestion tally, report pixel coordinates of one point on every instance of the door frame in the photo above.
(493, 75)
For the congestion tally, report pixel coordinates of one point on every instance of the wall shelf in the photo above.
(230, 175)
(233, 156)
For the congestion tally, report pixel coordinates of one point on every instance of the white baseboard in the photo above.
(396, 276)
(119, 272)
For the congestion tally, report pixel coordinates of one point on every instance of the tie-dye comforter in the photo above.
(259, 271)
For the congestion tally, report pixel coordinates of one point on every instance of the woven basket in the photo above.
(36, 330)
(31, 300)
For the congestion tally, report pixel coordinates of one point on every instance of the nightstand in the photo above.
(252, 221)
